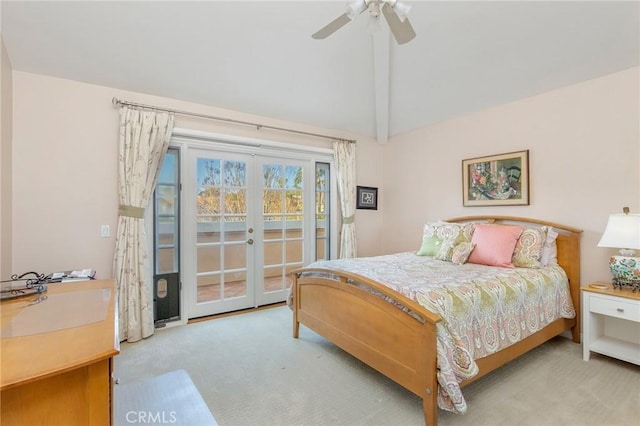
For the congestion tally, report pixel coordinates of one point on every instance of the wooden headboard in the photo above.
(568, 243)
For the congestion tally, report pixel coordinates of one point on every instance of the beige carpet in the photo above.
(250, 371)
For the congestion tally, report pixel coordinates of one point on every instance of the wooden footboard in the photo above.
(399, 344)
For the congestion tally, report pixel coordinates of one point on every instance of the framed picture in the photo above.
(367, 198)
(496, 180)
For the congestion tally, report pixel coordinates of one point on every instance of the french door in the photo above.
(283, 239)
(250, 222)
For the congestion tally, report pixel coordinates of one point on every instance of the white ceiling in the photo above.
(258, 57)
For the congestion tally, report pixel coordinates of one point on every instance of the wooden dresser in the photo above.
(56, 355)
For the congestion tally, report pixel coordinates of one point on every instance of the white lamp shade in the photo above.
(623, 232)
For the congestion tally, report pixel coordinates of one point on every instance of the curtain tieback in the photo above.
(348, 220)
(131, 211)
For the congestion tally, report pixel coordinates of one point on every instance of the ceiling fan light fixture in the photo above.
(394, 12)
(355, 8)
(402, 10)
(374, 26)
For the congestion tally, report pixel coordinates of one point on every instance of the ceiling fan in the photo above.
(394, 12)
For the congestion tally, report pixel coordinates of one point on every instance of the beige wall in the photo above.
(6, 130)
(65, 169)
(584, 143)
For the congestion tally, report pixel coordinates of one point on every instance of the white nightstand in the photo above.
(611, 322)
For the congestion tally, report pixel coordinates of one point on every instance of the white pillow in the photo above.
(550, 249)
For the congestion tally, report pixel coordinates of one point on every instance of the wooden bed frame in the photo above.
(399, 345)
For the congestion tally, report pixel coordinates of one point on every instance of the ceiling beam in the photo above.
(381, 45)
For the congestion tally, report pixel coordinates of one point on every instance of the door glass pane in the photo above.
(294, 251)
(320, 254)
(235, 284)
(209, 201)
(207, 237)
(208, 258)
(208, 229)
(166, 195)
(272, 202)
(231, 235)
(208, 172)
(273, 253)
(283, 214)
(235, 256)
(322, 175)
(322, 211)
(166, 243)
(293, 227)
(293, 177)
(166, 221)
(212, 220)
(273, 221)
(294, 203)
(208, 287)
(273, 279)
(166, 232)
(166, 211)
(166, 260)
(235, 174)
(235, 202)
(272, 176)
(221, 229)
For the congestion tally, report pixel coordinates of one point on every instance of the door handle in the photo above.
(250, 230)
(250, 241)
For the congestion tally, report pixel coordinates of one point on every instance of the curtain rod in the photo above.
(258, 126)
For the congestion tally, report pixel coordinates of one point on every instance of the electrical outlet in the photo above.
(104, 231)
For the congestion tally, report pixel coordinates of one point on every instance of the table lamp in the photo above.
(623, 232)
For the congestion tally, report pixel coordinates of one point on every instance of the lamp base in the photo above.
(625, 271)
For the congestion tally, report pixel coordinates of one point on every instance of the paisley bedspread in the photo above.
(484, 309)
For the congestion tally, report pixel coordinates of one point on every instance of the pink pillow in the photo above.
(494, 244)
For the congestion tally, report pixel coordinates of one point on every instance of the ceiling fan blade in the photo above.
(332, 27)
(402, 31)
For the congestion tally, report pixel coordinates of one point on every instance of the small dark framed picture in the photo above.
(367, 198)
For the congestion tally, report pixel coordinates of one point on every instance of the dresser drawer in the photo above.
(615, 308)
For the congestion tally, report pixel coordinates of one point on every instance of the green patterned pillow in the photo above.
(453, 252)
(528, 250)
(430, 241)
(446, 250)
(435, 233)
(461, 252)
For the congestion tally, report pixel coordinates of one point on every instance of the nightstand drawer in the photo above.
(615, 308)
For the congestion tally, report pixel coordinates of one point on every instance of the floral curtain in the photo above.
(144, 140)
(345, 155)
